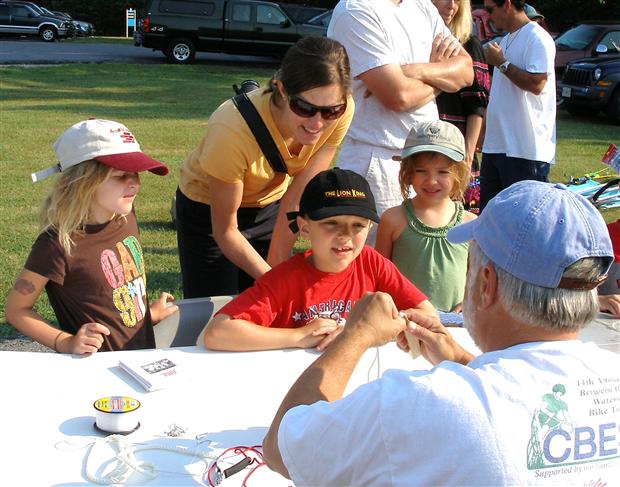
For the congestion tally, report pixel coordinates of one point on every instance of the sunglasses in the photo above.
(307, 110)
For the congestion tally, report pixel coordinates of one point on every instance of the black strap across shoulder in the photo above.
(260, 131)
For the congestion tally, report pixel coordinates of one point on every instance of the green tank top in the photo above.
(428, 260)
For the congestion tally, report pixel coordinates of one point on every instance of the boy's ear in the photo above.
(302, 223)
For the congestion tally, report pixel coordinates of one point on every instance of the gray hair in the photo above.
(550, 308)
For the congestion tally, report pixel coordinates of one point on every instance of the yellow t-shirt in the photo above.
(229, 152)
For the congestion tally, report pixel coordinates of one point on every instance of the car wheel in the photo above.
(48, 34)
(578, 110)
(181, 51)
(613, 109)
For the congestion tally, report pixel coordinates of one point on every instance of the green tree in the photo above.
(563, 14)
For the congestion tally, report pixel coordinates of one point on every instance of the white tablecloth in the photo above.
(48, 416)
(47, 407)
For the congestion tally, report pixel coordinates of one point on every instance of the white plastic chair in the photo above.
(184, 328)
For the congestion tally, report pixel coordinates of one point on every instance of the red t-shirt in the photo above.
(295, 292)
(612, 283)
(614, 234)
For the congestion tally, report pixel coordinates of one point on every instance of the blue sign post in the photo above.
(130, 21)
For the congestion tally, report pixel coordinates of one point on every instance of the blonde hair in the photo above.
(461, 23)
(459, 171)
(66, 209)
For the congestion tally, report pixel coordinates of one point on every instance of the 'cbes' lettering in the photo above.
(584, 442)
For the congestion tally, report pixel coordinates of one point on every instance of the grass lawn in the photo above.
(101, 40)
(166, 107)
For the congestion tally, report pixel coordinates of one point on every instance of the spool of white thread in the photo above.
(117, 414)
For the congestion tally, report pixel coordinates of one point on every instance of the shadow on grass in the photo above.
(136, 91)
(170, 282)
(160, 251)
(157, 225)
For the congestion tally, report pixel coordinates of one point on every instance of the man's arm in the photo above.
(373, 321)
(409, 87)
(395, 90)
(226, 333)
(449, 75)
(532, 82)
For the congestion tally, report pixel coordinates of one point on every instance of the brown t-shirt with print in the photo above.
(102, 281)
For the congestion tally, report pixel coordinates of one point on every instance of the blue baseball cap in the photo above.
(535, 230)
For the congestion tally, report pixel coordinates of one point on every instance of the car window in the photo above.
(4, 10)
(611, 41)
(321, 20)
(195, 7)
(578, 37)
(20, 11)
(36, 8)
(266, 14)
(242, 12)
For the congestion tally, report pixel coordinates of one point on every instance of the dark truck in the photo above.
(180, 28)
(28, 19)
(591, 85)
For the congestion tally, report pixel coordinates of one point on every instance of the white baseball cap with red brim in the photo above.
(105, 141)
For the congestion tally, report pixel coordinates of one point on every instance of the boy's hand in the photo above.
(87, 340)
(160, 309)
(610, 304)
(323, 344)
(315, 332)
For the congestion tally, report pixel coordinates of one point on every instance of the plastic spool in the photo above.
(116, 415)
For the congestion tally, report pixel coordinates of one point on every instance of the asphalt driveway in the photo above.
(34, 51)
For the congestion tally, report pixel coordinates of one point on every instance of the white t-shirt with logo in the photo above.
(377, 33)
(544, 413)
(518, 122)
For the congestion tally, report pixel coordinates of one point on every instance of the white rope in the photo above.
(126, 462)
(376, 360)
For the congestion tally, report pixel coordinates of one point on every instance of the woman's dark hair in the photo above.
(310, 63)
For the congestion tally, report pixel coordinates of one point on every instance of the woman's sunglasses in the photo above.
(307, 110)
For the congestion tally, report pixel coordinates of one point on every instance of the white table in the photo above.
(48, 415)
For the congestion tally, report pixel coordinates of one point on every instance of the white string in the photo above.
(376, 360)
(126, 462)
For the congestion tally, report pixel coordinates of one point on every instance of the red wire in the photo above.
(238, 450)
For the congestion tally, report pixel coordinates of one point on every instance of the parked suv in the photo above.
(592, 84)
(586, 40)
(27, 18)
(180, 28)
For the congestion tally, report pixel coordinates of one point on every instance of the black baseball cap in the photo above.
(335, 192)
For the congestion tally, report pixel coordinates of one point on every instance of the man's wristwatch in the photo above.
(504, 66)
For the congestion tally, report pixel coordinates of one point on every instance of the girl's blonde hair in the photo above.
(459, 170)
(461, 23)
(67, 208)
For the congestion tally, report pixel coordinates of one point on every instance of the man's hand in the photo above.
(436, 342)
(444, 48)
(374, 318)
(494, 54)
(87, 340)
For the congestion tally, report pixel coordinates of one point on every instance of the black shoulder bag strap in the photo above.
(260, 131)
